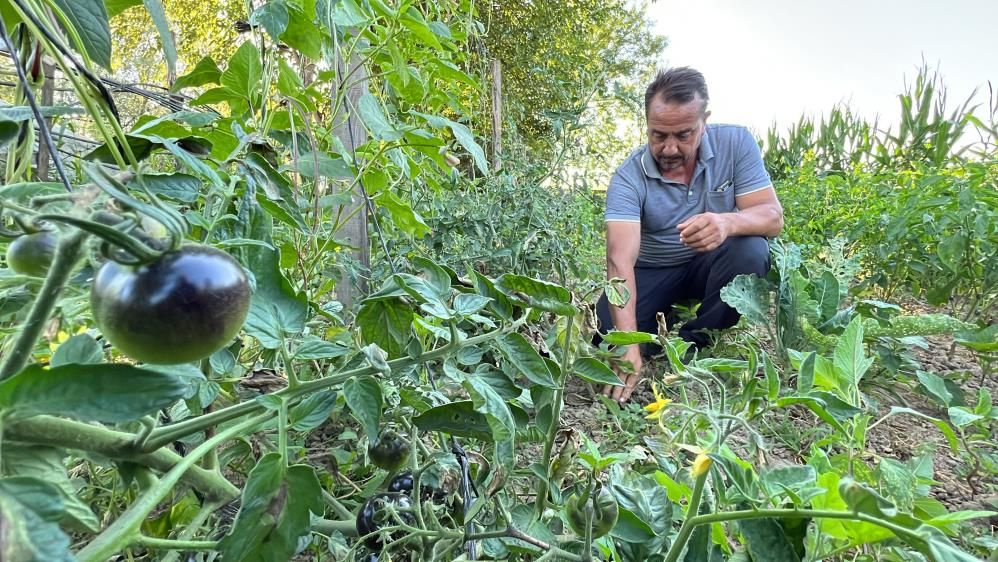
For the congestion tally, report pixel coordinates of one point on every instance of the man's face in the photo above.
(674, 132)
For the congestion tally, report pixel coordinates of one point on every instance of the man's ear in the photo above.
(706, 114)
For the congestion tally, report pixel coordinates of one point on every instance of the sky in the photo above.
(769, 61)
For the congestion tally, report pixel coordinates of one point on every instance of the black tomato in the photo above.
(182, 307)
(375, 515)
(390, 451)
(31, 254)
(604, 517)
(401, 483)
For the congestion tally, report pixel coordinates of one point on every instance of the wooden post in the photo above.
(496, 114)
(352, 133)
(48, 91)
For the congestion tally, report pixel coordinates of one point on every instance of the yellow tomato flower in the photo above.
(656, 408)
(701, 465)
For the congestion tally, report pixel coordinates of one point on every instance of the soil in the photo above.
(900, 437)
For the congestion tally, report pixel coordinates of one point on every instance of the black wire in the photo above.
(30, 95)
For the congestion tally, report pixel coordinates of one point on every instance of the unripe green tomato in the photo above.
(390, 452)
(32, 254)
(603, 518)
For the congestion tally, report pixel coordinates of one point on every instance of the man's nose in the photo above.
(670, 148)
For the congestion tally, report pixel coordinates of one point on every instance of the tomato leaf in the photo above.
(28, 535)
(89, 19)
(363, 395)
(103, 393)
(525, 358)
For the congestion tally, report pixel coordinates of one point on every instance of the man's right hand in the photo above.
(623, 393)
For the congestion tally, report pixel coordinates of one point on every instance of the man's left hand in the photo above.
(704, 232)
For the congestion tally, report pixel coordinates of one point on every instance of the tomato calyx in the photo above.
(390, 451)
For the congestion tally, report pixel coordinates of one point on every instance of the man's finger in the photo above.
(629, 386)
(618, 390)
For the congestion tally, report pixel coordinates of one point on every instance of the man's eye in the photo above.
(683, 136)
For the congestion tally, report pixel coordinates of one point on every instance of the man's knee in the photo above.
(746, 254)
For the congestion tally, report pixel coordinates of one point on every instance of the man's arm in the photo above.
(623, 242)
(759, 214)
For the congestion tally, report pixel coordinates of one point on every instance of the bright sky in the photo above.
(775, 60)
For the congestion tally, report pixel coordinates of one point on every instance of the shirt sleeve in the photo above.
(623, 203)
(750, 173)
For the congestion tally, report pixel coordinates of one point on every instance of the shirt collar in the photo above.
(705, 153)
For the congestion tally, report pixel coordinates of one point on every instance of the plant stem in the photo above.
(66, 257)
(687, 529)
(168, 434)
(329, 526)
(124, 530)
(566, 359)
(174, 544)
(49, 430)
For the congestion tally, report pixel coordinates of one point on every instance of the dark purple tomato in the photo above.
(374, 515)
(31, 254)
(180, 308)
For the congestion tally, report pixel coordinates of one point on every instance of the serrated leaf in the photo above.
(90, 20)
(363, 396)
(525, 359)
(104, 393)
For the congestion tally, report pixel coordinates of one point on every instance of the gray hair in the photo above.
(678, 85)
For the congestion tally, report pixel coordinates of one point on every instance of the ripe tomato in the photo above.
(390, 452)
(604, 517)
(31, 254)
(183, 307)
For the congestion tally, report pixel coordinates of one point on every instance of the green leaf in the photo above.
(28, 536)
(244, 72)
(537, 293)
(313, 348)
(850, 359)
(205, 72)
(276, 308)
(772, 378)
(44, 498)
(951, 250)
(961, 416)
(90, 20)
(312, 411)
(467, 304)
(179, 187)
(256, 518)
(81, 348)
(857, 532)
(487, 401)
(457, 418)
(46, 463)
(315, 164)
(387, 323)
(302, 32)
(984, 340)
(273, 16)
(525, 359)
(403, 215)
(115, 7)
(750, 296)
(464, 137)
(363, 396)
(765, 540)
(104, 393)
(595, 371)
(375, 120)
(627, 338)
(414, 22)
(158, 15)
(935, 386)
(805, 375)
(348, 14)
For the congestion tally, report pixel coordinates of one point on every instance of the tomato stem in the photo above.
(67, 255)
(544, 487)
(689, 523)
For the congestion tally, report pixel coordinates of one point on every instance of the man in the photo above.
(684, 215)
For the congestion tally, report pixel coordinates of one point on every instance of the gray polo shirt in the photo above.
(729, 164)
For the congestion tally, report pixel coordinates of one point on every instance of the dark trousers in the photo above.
(701, 279)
